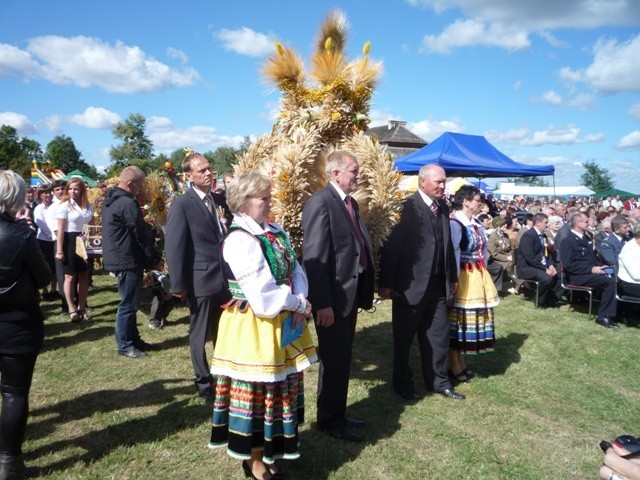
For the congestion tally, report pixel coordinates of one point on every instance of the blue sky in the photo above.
(548, 82)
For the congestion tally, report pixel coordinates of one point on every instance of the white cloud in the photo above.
(553, 135)
(515, 135)
(549, 97)
(18, 121)
(92, 117)
(508, 23)
(245, 41)
(634, 111)
(165, 135)
(464, 33)
(580, 101)
(177, 54)
(615, 67)
(518, 85)
(630, 141)
(544, 15)
(430, 129)
(87, 62)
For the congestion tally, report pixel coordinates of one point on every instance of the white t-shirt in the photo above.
(40, 214)
(75, 216)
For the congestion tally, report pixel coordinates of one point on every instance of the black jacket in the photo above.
(23, 269)
(127, 241)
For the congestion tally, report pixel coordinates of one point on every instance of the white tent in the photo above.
(510, 189)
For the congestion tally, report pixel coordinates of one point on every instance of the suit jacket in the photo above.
(331, 254)
(531, 253)
(578, 257)
(610, 248)
(406, 259)
(192, 245)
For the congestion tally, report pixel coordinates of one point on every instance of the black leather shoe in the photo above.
(451, 393)
(409, 395)
(343, 433)
(207, 395)
(353, 422)
(606, 322)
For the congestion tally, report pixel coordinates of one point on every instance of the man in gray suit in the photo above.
(338, 261)
(418, 272)
(194, 231)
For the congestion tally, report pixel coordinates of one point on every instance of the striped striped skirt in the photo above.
(471, 330)
(251, 416)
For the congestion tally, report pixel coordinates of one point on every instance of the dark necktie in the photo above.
(363, 249)
(434, 208)
(210, 204)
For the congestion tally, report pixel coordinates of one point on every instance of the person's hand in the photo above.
(307, 310)
(598, 270)
(617, 468)
(552, 271)
(180, 295)
(298, 319)
(324, 317)
(60, 256)
(453, 288)
(385, 293)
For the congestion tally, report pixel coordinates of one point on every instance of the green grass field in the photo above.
(555, 386)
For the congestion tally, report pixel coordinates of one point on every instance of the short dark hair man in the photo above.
(611, 246)
(584, 268)
(536, 262)
(127, 247)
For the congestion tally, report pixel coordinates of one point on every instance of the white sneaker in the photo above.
(513, 290)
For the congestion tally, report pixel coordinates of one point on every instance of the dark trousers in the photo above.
(335, 344)
(203, 326)
(60, 280)
(160, 307)
(17, 372)
(604, 283)
(548, 284)
(631, 290)
(429, 322)
(497, 274)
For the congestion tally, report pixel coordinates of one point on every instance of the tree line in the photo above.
(134, 148)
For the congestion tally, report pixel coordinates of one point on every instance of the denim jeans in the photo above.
(129, 287)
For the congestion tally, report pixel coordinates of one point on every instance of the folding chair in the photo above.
(575, 288)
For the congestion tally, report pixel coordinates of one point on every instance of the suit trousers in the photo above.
(547, 284)
(607, 285)
(334, 349)
(428, 321)
(203, 326)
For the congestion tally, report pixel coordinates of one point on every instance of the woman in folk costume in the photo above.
(471, 307)
(260, 390)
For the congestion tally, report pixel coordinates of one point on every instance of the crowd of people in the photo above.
(445, 266)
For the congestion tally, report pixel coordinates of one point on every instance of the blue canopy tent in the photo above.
(468, 156)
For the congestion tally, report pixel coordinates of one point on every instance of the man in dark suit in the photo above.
(195, 228)
(535, 261)
(584, 268)
(418, 272)
(611, 246)
(338, 261)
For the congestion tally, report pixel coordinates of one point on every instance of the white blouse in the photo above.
(40, 214)
(75, 216)
(629, 262)
(245, 258)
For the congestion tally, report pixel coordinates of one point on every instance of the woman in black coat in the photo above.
(23, 270)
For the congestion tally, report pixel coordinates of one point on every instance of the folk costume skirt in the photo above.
(259, 386)
(471, 324)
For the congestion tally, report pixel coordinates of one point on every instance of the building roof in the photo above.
(394, 134)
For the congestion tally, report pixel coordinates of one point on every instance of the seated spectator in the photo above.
(526, 225)
(611, 246)
(536, 262)
(629, 271)
(582, 267)
(501, 253)
(485, 219)
(555, 223)
(605, 231)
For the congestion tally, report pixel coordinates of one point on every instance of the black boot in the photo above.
(12, 467)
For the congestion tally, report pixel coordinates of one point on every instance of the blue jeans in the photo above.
(129, 287)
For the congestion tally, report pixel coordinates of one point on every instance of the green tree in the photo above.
(17, 154)
(534, 181)
(136, 148)
(63, 154)
(595, 177)
(223, 158)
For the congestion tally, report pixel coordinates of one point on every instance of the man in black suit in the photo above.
(338, 261)
(584, 268)
(195, 228)
(611, 246)
(418, 272)
(535, 261)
